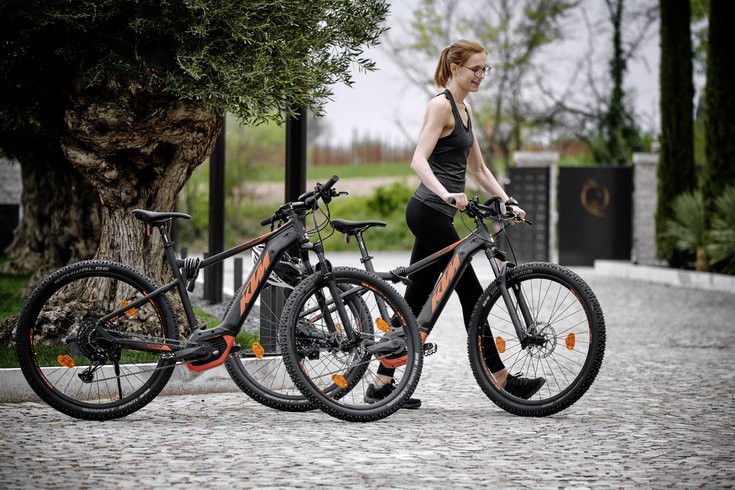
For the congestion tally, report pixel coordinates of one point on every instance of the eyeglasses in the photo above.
(479, 71)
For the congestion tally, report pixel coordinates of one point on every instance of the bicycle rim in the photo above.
(568, 338)
(258, 369)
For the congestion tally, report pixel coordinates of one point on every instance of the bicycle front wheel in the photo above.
(258, 368)
(75, 369)
(334, 368)
(566, 340)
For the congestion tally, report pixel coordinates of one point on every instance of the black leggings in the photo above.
(434, 231)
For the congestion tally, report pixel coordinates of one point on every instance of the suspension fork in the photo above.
(501, 276)
(336, 294)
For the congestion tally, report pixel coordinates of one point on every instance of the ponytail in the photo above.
(457, 54)
(443, 74)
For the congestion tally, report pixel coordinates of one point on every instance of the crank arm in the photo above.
(384, 346)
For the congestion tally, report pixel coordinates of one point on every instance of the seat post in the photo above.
(164, 235)
(365, 258)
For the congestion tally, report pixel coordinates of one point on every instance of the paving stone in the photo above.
(660, 414)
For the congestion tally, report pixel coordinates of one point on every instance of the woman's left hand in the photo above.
(518, 211)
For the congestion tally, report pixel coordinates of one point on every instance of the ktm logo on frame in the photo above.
(255, 279)
(447, 277)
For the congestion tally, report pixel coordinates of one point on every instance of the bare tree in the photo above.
(593, 106)
(513, 32)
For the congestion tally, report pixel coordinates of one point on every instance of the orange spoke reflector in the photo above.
(339, 380)
(131, 311)
(66, 361)
(570, 340)
(382, 325)
(258, 350)
(500, 344)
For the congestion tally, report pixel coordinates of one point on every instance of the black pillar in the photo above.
(273, 298)
(214, 275)
(296, 156)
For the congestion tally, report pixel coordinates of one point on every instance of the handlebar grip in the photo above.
(451, 201)
(267, 221)
(328, 185)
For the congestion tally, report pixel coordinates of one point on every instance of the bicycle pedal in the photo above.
(430, 348)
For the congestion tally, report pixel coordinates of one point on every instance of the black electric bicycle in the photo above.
(98, 340)
(541, 318)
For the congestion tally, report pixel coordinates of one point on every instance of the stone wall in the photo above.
(644, 209)
(11, 187)
(10, 182)
(526, 159)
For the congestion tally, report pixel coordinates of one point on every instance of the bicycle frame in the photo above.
(463, 251)
(277, 241)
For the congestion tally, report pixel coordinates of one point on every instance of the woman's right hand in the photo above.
(458, 200)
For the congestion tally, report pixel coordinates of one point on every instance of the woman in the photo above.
(447, 147)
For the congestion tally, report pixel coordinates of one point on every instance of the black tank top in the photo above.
(448, 161)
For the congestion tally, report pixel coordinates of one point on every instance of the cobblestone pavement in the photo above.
(659, 415)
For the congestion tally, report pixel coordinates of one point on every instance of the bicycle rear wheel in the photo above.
(70, 365)
(333, 371)
(567, 338)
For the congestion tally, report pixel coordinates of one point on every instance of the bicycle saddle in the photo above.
(352, 227)
(153, 217)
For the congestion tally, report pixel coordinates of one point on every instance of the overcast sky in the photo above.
(377, 99)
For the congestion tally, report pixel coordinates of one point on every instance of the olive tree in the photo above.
(117, 102)
(110, 105)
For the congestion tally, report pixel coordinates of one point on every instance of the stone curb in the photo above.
(15, 389)
(665, 275)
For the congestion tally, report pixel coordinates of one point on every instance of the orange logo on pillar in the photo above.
(595, 198)
(443, 285)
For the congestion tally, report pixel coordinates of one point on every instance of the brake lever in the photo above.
(514, 217)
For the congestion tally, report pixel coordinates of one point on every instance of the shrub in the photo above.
(686, 227)
(721, 239)
(387, 200)
(386, 204)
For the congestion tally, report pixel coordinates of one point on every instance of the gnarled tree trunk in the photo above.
(137, 149)
(61, 220)
(61, 216)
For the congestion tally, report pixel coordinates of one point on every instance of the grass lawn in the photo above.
(324, 172)
(11, 302)
(10, 288)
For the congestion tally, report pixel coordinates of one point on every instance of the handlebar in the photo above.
(307, 201)
(494, 208)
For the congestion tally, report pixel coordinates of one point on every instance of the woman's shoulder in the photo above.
(439, 104)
